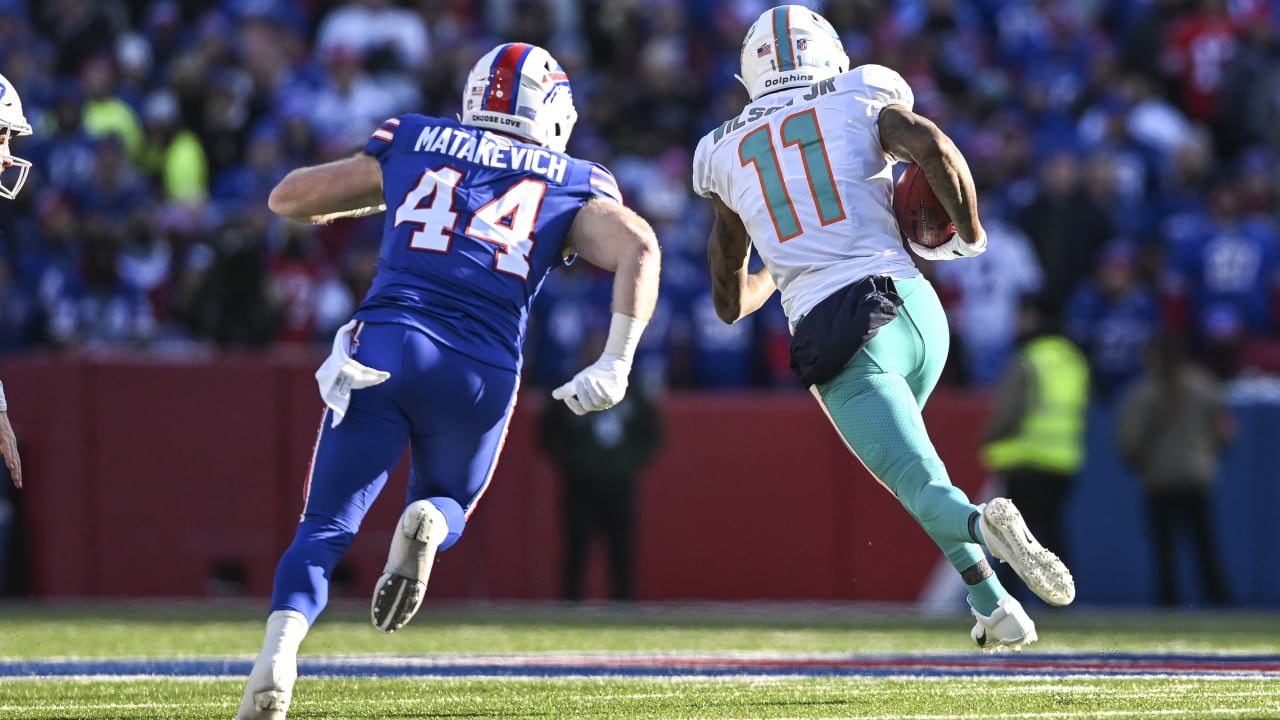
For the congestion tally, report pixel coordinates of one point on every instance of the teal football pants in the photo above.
(875, 404)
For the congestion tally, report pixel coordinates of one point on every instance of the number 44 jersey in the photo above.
(475, 220)
(805, 170)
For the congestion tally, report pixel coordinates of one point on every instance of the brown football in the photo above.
(921, 218)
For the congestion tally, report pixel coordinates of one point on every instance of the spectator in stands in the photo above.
(1171, 431)
(108, 310)
(252, 177)
(1066, 227)
(1250, 83)
(64, 157)
(985, 293)
(392, 38)
(80, 29)
(1231, 273)
(105, 113)
(1197, 48)
(116, 190)
(1124, 84)
(314, 302)
(1112, 316)
(172, 154)
(224, 126)
(349, 103)
(237, 304)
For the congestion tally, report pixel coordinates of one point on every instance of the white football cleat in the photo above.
(1009, 627)
(1009, 540)
(270, 687)
(270, 704)
(403, 584)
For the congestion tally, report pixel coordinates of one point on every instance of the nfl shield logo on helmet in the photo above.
(802, 44)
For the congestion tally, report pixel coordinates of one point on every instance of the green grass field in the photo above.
(102, 633)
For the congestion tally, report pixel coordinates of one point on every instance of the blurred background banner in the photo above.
(159, 326)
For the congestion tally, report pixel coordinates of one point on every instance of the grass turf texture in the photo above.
(189, 630)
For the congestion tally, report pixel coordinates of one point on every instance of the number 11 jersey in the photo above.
(475, 220)
(805, 170)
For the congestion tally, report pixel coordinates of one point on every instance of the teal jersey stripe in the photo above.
(782, 34)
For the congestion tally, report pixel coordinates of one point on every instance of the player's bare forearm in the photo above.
(916, 138)
(735, 292)
(613, 237)
(9, 449)
(343, 188)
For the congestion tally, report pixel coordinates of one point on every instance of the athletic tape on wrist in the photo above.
(4, 405)
(624, 336)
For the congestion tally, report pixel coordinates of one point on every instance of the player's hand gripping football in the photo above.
(599, 386)
(951, 249)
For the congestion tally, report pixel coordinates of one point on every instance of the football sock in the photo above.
(975, 528)
(285, 631)
(985, 591)
(454, 516)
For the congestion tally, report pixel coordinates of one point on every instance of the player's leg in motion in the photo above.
(459, 421)
(348, 470)
(875, 403)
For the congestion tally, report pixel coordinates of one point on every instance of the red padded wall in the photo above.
(141, 475)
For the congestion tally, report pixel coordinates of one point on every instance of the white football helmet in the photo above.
(520, 89)
(789, 46)
(12, 122)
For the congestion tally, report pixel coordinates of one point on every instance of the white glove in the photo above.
(951, 249)
(599, 386)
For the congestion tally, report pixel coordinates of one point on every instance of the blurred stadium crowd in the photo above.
(1127, 154)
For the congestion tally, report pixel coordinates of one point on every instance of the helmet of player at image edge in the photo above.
(789, 46)
(520, 89)
(13, 170)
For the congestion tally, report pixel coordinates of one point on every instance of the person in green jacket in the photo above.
(171, 153)
(1034, 438)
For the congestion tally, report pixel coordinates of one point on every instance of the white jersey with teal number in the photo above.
(805, 171)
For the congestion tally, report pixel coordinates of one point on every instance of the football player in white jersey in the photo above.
(13, 174)
(804, 174)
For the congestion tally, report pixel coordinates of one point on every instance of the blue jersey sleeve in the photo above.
(603, 183)
(380, 141)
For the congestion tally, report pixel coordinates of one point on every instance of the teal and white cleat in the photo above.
(403, 584)
(1008, 628)
(1009, 540)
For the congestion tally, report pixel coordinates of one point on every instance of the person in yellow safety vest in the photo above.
(1034, 438)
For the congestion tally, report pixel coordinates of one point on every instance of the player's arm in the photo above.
(610, 236)
(9, 442)
(613, 237)
(317, 194)
(913, 137)
(735, 292)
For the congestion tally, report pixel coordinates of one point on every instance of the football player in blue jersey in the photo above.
(478, 211)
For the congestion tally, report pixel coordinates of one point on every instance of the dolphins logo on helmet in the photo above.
(789, 46)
